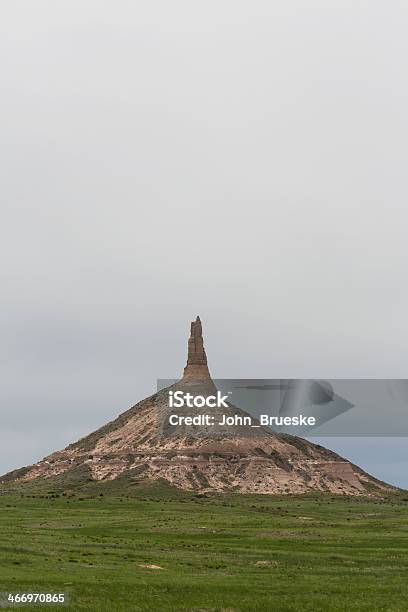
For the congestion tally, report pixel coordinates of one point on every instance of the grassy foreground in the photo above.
(231, 553)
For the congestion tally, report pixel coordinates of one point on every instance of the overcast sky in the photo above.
(245, 161)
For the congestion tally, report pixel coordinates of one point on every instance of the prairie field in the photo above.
(121, 546)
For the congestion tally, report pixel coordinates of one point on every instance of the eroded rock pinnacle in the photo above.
(196, 367)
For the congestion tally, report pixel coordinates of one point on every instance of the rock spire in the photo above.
(196, 367)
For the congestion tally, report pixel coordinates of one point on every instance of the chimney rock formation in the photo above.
(136, 447)
(196, 368)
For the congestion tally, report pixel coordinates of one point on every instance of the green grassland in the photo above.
(212, 552)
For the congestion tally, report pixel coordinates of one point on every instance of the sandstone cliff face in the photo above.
(258, 462)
